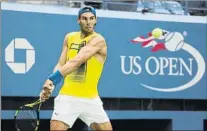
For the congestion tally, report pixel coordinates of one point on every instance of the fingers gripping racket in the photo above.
(27, 117)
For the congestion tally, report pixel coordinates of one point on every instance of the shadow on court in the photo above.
(8, 125)
(140, 125)
(205, 125)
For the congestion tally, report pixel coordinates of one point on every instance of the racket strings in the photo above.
(27, 116)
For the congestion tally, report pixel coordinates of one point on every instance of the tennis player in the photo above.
(80, 65)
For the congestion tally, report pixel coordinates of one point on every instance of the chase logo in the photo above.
(20, 43)
(173, 42)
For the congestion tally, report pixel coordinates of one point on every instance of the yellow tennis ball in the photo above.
(157, 32)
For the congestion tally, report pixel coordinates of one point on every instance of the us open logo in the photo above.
(19, 43)
(173, 42)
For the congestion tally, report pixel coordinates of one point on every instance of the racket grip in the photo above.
(40, 98)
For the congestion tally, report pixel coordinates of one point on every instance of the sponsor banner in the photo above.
(146, 58)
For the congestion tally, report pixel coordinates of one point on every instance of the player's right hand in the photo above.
(46, 92)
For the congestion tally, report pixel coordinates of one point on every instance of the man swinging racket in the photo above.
(80, 65)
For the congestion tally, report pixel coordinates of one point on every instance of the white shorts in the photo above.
(68, 108)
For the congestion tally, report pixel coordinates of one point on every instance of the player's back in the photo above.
(84, 81)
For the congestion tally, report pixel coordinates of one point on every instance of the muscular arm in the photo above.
(49, 85)
(94, 46)
(63, 56)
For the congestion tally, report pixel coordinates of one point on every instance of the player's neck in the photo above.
(85, 34)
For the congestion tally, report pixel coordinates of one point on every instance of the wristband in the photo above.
(56, 77)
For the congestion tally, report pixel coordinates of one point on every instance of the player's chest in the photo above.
(75, 47)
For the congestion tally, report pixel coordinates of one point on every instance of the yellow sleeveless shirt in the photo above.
(84, 81)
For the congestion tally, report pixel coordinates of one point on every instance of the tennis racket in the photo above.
(27, 117)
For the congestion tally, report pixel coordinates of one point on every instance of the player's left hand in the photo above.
(46, 92)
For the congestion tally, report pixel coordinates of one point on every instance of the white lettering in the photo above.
(173, 65)
(156, 65)
(133, 61)
(123, 65)
(163, 64)
(183, 64)
(137, 65)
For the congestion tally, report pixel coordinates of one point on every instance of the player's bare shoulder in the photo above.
(99, 42)
(103, 50)
(67, 35)
(102, 53)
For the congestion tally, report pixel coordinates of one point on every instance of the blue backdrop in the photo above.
(46, 32)
(126, 66)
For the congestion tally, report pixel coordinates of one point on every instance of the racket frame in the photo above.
(31, 105)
